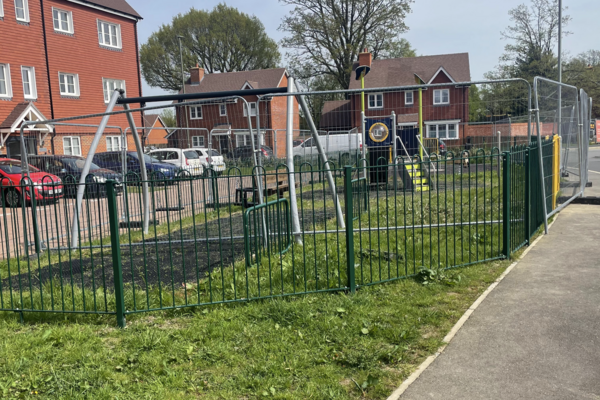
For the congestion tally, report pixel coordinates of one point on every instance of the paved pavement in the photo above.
(537, 335)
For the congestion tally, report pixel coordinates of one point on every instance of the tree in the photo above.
(583, 72)
(325, 36)
(168, 117)
(221, 40)
(533, 38)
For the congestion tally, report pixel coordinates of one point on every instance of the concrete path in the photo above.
(537, 335)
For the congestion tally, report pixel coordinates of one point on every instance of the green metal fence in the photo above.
(210, 241)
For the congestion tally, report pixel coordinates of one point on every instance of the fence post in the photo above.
(506, 204)
(527, 195)
(113, 215)
(349, 229)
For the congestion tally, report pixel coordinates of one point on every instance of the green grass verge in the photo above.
(333, 346)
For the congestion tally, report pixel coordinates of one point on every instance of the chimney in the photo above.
(196, 74)
(365, 58)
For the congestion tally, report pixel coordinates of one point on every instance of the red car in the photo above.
(47, 187)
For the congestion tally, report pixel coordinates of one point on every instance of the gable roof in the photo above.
(226, 81)
(336, 114)
(402, 71)
(115, 5)
(150, 120)
(23, 112)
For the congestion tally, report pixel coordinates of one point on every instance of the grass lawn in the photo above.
(333, 346)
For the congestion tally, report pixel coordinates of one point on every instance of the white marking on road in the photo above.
(595, 172)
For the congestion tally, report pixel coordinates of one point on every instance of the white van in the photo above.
(186, 159)
(337, 147)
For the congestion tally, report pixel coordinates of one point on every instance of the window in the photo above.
(443, 130)
(223, 110)
(196, 112)
(376, 100)
(22, 10)
(109, 34)
(110, 85)
(113, 143)
(63, 20)
(5, 87)
(29, 88)
(1, 9)
(244, 140)
(252, 110)
(197, 141)
(409, 98)
(69, 84)
(71, 146)
(441, 96)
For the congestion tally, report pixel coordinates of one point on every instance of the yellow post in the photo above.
(421, 122)
(362, 94)
(555, 169)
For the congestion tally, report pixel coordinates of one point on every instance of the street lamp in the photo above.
(183, 88)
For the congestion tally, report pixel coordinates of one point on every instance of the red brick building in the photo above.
(227, 120)
(155, 132)
(63, 58)
(445, 108)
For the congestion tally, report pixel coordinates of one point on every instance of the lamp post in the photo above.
(183, 88)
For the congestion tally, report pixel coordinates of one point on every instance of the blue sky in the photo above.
(436, 26)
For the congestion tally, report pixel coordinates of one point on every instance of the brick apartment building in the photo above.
(228, 120)
(445, 108)
(62, 58)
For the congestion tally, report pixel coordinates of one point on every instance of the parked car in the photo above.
(216, 159)
(69, 169)
(114, 161)
(244, 153)
(341, 145)
(185, 159)
(47, 187)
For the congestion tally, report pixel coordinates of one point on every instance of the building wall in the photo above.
(272, 116)
(23, 45)
(156, 136)
(86, 142)
(395, 101)
(81, 54)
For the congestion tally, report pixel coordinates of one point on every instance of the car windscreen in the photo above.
(14, 167)
(78, 163)
(191, 154)
(213, 153)
(147, 158)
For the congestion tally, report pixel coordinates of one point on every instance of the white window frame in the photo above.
(76, 83)
(412, 98)
(25, 11)
(242, 138)
(223, 110)
(32, 85)
(107, 91)
(101, 34)
(441, 93)
(7, 82)
(69, 20)
(1, 9)
(198, 115)
(375, 97)
(253, 108)
(119, 142)
(197, 141)
(72, 138)
(435, 124)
